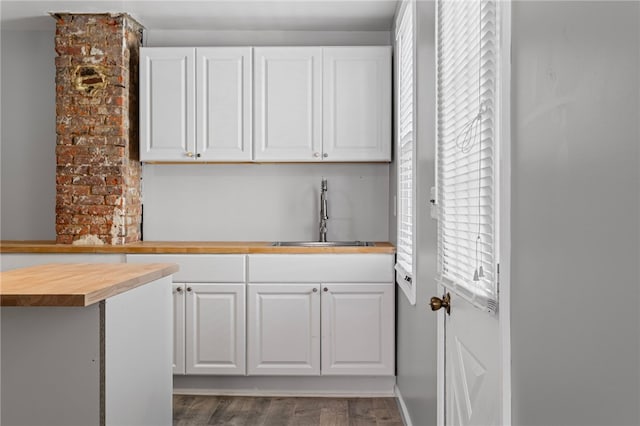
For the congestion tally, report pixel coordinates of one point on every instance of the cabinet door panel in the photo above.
(358, 329)
(288, 103)
(357, 103)
(178, 328)
(167, 104)
(215, 327)
(284, 329)
(224, 103)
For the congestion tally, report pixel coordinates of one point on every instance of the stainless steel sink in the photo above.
(323, 244)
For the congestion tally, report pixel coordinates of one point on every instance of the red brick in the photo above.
(88, 199)
(64, 180)
(106, 190)
(101, 170)
(72, 229)
(64, 239)
(88, 180)
(99, 229)
(114, 200)
(113, 180)
(73, 189)
(72, 170)
(97, 210)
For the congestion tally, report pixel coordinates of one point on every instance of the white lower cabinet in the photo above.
(284, 329)
(208, 328)
(358, 329)
(329, 329)
(292, 315)
(324, 315)
(215, 329)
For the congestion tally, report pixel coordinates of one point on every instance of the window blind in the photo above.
(466, 152)
(405, 146)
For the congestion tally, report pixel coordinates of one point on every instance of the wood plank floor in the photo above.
(280, 411)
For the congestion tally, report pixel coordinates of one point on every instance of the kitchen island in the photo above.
(86, 344)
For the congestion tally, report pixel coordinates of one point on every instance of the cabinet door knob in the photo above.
(325, 289)
(189, 289)
(325, 155)
(179, 289)
(189, 154)
(316, 154)
(315, 290)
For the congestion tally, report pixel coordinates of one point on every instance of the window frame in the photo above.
(406, 280)
(480, 299)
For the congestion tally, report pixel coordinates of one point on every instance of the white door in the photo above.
(167, 104)
(358, 329)
(284, 329)
(178, 328)
(288, 103)
(357, 103)
(215, 329)
(472, 366)
(224, 103)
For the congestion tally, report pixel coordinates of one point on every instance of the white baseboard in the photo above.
(403, 407)
(323, 386)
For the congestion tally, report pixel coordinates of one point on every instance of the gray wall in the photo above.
(416, 324)
(575, 213)
(28, 166)
(264, 202)
(264, 38)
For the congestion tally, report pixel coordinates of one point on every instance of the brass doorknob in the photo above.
(445, 302)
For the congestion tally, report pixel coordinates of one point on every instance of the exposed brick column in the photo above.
(98, 173)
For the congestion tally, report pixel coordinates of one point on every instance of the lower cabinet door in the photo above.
(283, 329)
(215, 329)
(178, 328)
(358, 329)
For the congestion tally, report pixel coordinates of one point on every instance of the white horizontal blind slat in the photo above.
(466, 91)
(405, 141)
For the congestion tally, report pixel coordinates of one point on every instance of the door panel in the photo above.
(358, 329)
(472, 352)
(357, 103)
(178, 328)
(224, 103)
(215, 329)
(288, 103)
(284, 329)
(167, 104)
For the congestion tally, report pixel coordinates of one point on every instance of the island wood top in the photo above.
(185, 247)
(75, 284)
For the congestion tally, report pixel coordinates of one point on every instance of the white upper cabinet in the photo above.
(265, 104)
(288, 103)
(357, 103)
(184, 87)
(167, 103)
(224, 103)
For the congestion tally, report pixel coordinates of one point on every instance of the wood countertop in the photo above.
(185, 247)
(80, 284)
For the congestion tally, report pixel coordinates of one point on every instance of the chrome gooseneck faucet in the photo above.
(324, 215)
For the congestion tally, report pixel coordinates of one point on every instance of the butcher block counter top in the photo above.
(81, 284)
(185, 247)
